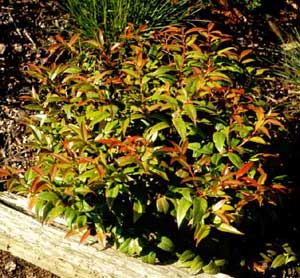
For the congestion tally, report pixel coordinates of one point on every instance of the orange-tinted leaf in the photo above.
(101, 171)
(35, 184)
(210, 26)
(84, 132)
(4, 172)
(279, 187)
(223, 218)
(275, 122)
(85, 236)
(264, 130)
(244, 169)
(40, 186)
(59, 38)
(250, 181)
(61, 158)
(38, 170)
(245, 53)
(73, 40)
(101, 238)
(69, 234)
(53, 172)
(32, 202)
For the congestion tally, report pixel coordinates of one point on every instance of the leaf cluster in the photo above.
(155, 145)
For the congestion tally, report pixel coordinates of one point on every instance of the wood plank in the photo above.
(45, 246)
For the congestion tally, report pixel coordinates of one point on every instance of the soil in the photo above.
(26, 26)
(12, 267)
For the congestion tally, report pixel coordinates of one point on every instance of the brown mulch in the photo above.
(12, 267)
(26, 26)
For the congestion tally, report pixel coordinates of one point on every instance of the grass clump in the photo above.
(112, 16)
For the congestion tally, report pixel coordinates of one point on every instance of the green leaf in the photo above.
(178, 61)
(33, 107)
(73, 70)
(36, 132)
(191, 111)
(124, 246)
(48, 197)
(211, 268)
(219, 140)
(181, 210)
(290, 259)
(134, 247)
(131, 73)
(161, 71)
(199, 208)
(235, 159)
(162, 204)
(111, 194)
(149, 258)
(180, 127)
(166, 244)
(70, 215)
(196, 265)
(187, 255)
(258, 140)
(278, 261)
(215, 159)
(261, 71)
(137, 210)
(229, 229)
(81, 220)
(55, 212)
(151, 133)
(201, 232)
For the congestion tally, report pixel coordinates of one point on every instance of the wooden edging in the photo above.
(45, 246)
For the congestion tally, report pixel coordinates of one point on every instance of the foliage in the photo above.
(113, 15)
(155, 146)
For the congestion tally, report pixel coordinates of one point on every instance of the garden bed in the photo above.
(44, 245)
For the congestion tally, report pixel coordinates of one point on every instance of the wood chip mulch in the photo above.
(26, 25)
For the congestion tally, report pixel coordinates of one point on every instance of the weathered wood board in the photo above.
(45, 246)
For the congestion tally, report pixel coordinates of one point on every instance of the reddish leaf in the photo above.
(59, 38)
(223, 217)
(53, 171)
(73, 40)
(280, 187)
(244, 169)
(31, 202)
(85, 236)
(69, 234)
(61, 158)
(38, 170)
(245, 53)
(35, 184)
(4, 172)
(101, 171)
(251, 182)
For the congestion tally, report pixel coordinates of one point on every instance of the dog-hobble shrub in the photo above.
(155, 145)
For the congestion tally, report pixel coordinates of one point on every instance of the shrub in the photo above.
(155, 145)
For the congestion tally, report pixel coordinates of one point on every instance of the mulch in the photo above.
(26, 26)
(12, 267)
